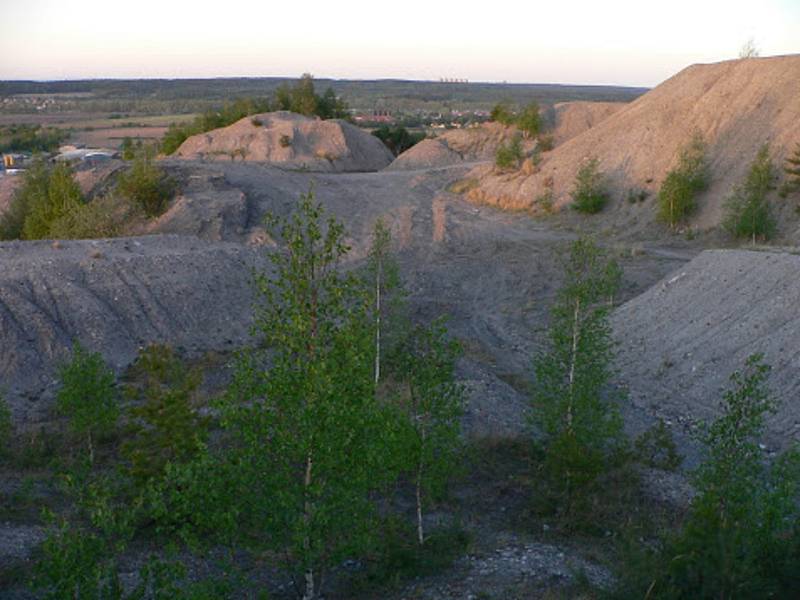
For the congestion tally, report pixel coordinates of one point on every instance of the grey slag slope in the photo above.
(115, 296)
(681, 340)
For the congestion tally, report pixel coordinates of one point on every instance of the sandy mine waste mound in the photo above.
(291, 141)
(456, 146)
(573, 118)
(114, 296)
(736, 106)
(680, 341)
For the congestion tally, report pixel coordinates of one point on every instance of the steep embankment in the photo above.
(681, 339)
(736, 106)
(114, 296)
(291, 141)
(573, 118)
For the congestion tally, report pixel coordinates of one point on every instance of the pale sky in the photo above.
(624, 42)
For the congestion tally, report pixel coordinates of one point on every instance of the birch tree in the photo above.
(574, 403)
(434, 405)
(303, 410)
(388, 298)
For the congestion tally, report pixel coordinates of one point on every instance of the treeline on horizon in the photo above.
(169, 96)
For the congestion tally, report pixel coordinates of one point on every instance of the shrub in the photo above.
(103, 217)
(34, 185)
(257, 122)
(30, 138)
(529, 120)
(502, 113)
(285, 141)
(656, 448)
(637, 195)
(545, 200)
(546, 143)
(87, 397)
(397, 138)
(589, 195)
(676, 198)
(165, 425)
(63, 196)
(146, 185)
(792, 170)
(46, 195)
(741, 537)
(747, 212)
(508, 156)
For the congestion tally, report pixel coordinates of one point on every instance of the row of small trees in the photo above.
(339, 401)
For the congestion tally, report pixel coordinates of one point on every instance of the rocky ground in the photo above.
(493, 273)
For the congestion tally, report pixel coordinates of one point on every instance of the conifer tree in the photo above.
(747, 210)
(677, 196)
(792, 170)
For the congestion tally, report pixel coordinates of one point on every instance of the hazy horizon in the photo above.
(618, 42)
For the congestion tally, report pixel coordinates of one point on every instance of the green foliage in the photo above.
(303, 99)
(747, 212)
(103, 217)
(792, 170)
(676, 198)
(46, 195)
(131, 149)
(529, 120)
(165, 425)
(502, 113)
(213, 119)
(637, 195)
(308, 432)
(397, 138)
(50, 205)
(508, 156)
(575, 405)
(87, 396)
(589, 194)
(433, 405)
(300, 98)
(196, 501)
(76, 564)
(145, 185)
(741, 537)
(656, 448)
(546, 143)
(31, 138)
(388, 298)
(396, 558)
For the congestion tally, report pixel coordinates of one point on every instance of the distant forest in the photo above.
(173, 96)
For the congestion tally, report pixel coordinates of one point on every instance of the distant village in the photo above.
(78, 156)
